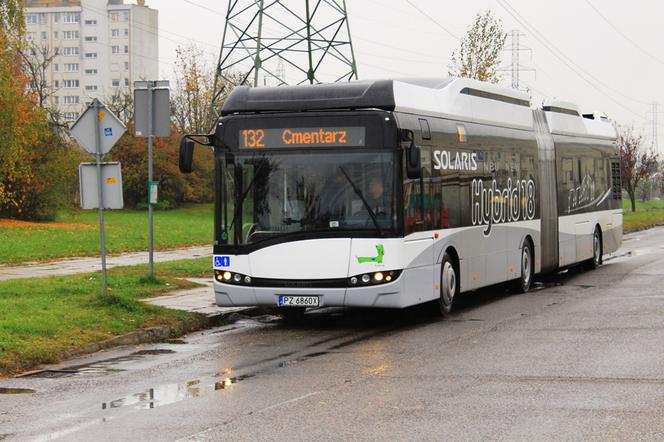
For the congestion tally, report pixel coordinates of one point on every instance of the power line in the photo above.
(567, 60)
(394, 25)
(447, 31)
(623, 35)
(206, 8)
(563, 58)
(153, 29)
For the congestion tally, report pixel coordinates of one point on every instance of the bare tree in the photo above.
(191, 101)
(636, 162)
(36, 61)
(121, 103)
(478, 56)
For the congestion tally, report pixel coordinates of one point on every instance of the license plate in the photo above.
(298, 301)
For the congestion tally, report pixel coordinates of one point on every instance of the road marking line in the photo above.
(289, 401)
(195, 436)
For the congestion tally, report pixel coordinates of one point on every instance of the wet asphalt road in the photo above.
(581, 357)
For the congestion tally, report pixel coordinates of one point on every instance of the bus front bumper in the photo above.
(378, 296)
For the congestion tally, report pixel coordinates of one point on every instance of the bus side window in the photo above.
(427, 190)
(412, 203)
(445, 192)
(412, 196)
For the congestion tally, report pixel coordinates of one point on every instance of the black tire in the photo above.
(292, 315)
(449, 286)
(526, 261)
(598, 250)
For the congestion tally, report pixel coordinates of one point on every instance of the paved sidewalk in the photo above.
(197, 300)
(93, 264)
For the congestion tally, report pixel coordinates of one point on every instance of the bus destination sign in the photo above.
(302, 137)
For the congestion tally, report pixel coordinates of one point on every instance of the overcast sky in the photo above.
(615, 47)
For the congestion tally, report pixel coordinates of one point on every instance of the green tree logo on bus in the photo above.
(377, 259)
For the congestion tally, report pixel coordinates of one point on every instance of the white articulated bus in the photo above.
(392, 193)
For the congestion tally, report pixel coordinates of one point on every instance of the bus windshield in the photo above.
(284, 193)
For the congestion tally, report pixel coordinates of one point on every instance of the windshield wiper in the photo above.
(358, 192)
(238, 205)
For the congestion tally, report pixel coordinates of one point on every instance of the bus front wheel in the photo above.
(449, 286)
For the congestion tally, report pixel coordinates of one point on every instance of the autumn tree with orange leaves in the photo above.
(32, 165)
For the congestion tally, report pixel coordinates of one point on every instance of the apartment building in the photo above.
(102, 47)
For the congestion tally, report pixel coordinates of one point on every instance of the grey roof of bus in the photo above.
(377, 94)
(455, 98)
(446, 97)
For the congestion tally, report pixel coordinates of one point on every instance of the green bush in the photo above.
(52, 185)
(175, 188)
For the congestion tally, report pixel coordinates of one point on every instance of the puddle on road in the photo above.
(103, 367)
(16, 391)
(172, 393)
(154, 352)
(227, 382)
(157, 397)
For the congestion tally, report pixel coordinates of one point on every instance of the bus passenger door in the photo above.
(418, 237)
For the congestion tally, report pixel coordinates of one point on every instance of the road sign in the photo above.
(97, 130)
(161, 112)
(110, 128)
(152, 118)
(111, 175)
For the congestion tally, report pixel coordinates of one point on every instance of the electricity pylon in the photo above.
(312, 38)
(654, 122)
(516, 67)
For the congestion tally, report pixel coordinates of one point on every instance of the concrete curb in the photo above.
(161, 333)
(157, 334)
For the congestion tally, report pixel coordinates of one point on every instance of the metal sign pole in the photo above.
(151, 85)
(100, 193)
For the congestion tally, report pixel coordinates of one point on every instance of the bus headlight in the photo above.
(375, 278)
(229, 277)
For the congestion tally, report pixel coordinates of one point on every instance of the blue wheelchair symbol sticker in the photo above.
(108, 131)
(222, 261)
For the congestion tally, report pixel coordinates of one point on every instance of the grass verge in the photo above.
(76, 233)
(641, 220)
(42, 320)
(648, 214)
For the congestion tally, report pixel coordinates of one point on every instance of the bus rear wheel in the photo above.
(524, 283)
(596, 260)
(449, 286)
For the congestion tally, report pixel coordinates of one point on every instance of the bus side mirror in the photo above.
(413, 162)
(186, 155)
